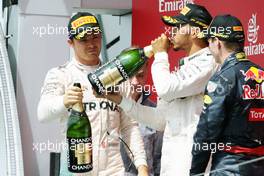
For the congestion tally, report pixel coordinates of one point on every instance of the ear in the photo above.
(70, 42)
(195, 31)
(219, 43)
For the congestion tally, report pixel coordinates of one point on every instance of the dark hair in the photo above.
(205, 41)
(201, 29)
(233, 46)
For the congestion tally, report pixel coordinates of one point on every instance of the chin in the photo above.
(176, 48)
(94, 55)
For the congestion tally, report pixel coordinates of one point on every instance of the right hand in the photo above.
(72, 96)
(160, 44)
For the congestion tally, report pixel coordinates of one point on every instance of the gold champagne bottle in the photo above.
(79, 138)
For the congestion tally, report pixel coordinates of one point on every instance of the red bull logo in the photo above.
(250, 93)
(253, 74)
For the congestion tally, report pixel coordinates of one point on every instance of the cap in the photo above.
(192, 14)
(83, 23)
(226, 28)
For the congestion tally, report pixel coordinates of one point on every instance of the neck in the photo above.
(94, 60)
(195, 47)
(225, 55)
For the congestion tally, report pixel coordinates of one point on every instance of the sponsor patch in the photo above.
(102, 105)
(168, 19)
(249, 93)
(211, 86)
(185, 10)
(241, 56)
(199, 22)
(237, 28)
(207, 99)
(83, 20)
(253, 73)
(256, 114)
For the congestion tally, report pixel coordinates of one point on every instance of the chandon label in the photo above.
(97, 83)
(80, 154)
(121, 69)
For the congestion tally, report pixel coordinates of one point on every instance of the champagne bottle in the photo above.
(79, 138)
(119, 69)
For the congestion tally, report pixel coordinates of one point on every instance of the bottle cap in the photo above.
(77, 85)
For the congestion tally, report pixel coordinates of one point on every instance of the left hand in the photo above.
(143, 170)
(160, 44)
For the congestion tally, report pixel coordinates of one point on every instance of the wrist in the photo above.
(143, 170)
(159, 51)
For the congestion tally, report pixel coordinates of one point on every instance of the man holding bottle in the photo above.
(180, 92)
(108, 122)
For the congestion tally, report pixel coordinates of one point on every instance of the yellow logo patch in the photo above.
(237, 28)
(199, 23)
(83, 20)
(207, 99)
(241, 56)
(168, 19)
(185, 10)
(253, 73)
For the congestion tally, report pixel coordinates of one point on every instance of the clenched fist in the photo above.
(160, 44)
(72, 96)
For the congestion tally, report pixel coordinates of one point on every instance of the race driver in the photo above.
(233, 114)
(180, 92)
(108, 122)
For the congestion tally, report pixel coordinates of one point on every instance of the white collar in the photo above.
(198, 53)
(85, 67)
